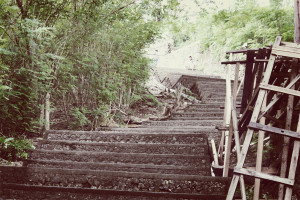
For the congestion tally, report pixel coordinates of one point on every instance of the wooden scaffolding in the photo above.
(269, 98)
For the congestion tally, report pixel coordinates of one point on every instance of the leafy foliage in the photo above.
(244, 26)
(14, 149)
(88, 55)
(250, 27)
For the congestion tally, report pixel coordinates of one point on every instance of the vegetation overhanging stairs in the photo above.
(161, 160)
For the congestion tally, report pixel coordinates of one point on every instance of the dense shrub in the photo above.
(14, 149)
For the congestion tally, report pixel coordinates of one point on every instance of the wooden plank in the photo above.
(260, 71)
(239, 89)
(228, 151)
(293, 165)
(232, 187)
(233, 62)
(214, 150)
(278, 121)
(277, 98)
(236, 81)
(265, 170)
(261, 60)
(256, 68)
(261, 175)
(236, 130)
(243, 188)
(259, 154)
(240, 51)
(280, 89)
(221, 146)
(291, 44)
(249, 106)
(238, 146)
(286, 143)
(286, 51)
(271, 129)
(228, 134)
(225, 123)
(247, 91)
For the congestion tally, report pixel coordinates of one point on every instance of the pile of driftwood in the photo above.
(269, 108)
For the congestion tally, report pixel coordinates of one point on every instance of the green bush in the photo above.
(144, 99)
(14, 149)
(249, 26)
(85, 55)
(79, 119)
(244, 26)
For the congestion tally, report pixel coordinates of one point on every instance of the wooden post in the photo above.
(260, 148)
(47, 112)
(240, 85)
(215, 155)
(296, 22)
(228, 134)
(293, 166)
(236, 82)
(238, 146)
(221, 145)
(286, 143)
(247, 92)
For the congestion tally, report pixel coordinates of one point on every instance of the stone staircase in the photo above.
(161, 160)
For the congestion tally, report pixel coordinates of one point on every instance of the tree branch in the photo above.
(121, 8)
(23, 12)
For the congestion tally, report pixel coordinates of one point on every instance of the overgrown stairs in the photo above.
(161, 160)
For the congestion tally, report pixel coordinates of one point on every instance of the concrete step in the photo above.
(132, 158)
(201, 110)
(213, 82)
(201, 170)
(212, 123)
(205, 106)
(221, 100)
(204, 85)
(113, 180)
(192, 135)
(219, 113)
(196, 118)
(211, 86)
(119, 147)
(208, 110)
(202, 79)
(216, 95)
(29, 192)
